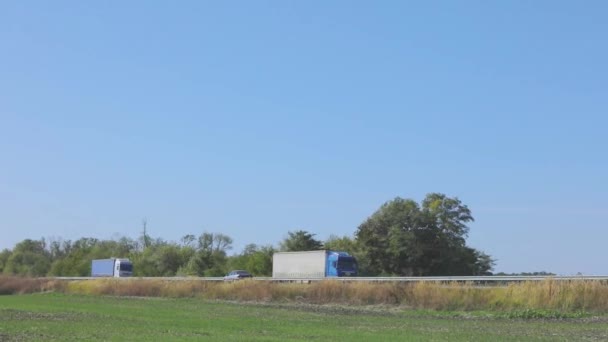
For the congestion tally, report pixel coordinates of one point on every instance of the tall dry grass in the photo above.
(564, 296)
(19, 285)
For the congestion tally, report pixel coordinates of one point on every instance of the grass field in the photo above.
(566, 297)
(61, 317)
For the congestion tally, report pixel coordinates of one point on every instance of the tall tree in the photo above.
(188, 240)
(388, 237)
(300, 240)
(29, 258)
(210, 258)
(404, 238)
(4, 255)
(255, 259)
(341, 243)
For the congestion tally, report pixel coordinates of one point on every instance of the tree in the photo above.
(449, 215)
(145, 262)
(404, 238)
(160, 260)
(210, 258)
(484, 263)
(76, 260)
(255, 259)
(170, 259)
(4, 256)
(145, 240)
(344, 243)
(188, 240)
(300, 240)
(29, 258)
(388, 238)
(58, 248)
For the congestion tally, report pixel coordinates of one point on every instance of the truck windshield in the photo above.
(126, 267)
(347, 263)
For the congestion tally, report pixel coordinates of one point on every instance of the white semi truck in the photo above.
(313, 264)
(113, 267)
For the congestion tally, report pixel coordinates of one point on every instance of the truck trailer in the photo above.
(313, 264)
(113, 267)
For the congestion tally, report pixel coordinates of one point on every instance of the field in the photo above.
(33, 309)
(61, 317)
(560, 297)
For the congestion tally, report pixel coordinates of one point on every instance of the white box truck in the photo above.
(113, 267)
(313, 264)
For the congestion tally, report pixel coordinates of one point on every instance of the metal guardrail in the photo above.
(370, 279)
(144, 278)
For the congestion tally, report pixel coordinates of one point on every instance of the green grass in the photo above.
(61, 317)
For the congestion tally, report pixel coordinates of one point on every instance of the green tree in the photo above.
(4, 256)
(187, 253)
(159, 259)
(341, 243)
(404, 238)
(483, 264)
(210, 258)
(188, 240)
(145, 262)
(29, 258)
(388, 238)
(76, 260)
(449, 215)
(255, 259)
(300, 240)
(170, 259)
(58, 248)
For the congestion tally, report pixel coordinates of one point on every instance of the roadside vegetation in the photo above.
(552, 295)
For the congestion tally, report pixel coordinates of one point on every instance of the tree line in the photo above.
(402, 238)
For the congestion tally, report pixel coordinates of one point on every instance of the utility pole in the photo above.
(145, 233)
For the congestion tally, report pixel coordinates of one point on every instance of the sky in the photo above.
(255, 118)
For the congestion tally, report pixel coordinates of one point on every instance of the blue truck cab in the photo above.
(340, 264)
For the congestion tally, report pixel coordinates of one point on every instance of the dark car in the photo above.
(238, 274)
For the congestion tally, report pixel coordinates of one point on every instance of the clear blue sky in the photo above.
(253, 118)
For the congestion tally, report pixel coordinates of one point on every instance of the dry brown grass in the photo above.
(360, 293)
(557, 295)
(19, 285)
(566, 296)
(137, 287)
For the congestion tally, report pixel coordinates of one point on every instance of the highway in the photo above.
(459, 279)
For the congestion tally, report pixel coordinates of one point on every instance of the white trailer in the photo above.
(313, 264)
(113, 267)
